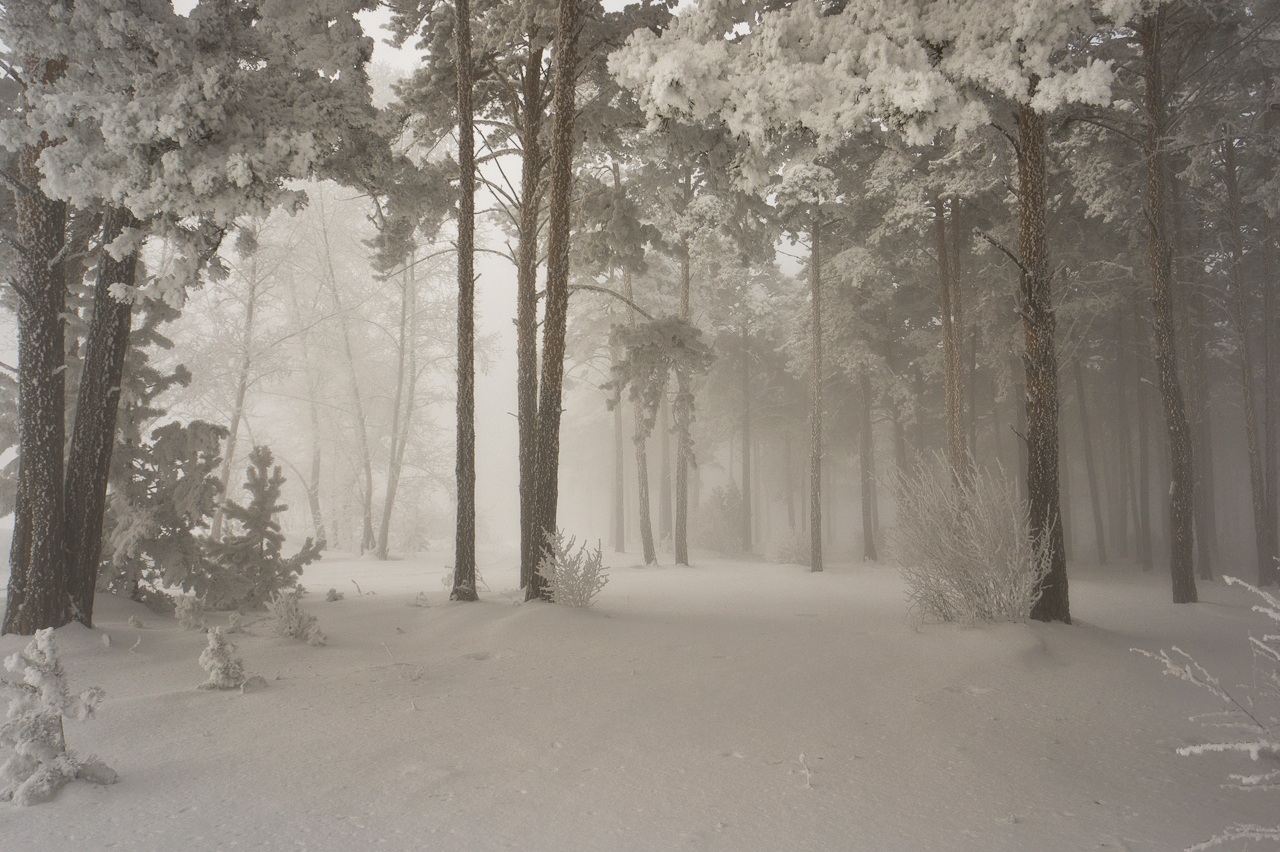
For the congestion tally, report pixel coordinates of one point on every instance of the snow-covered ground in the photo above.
(729, 706)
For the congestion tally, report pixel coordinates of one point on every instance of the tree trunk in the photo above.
(747, 539)
(401, 404)
(1266, 573)
(618, 523)
(1041, 365)
(237, 406)
(97, 404)
(530, 132)
(683, 411)
(1271, 393)
(464, 549)
(866, 463)
(1095, 492)
(551, 388)
(665, 488)
(642, 457)
(37, 580)
(952, 378)
(1181, 466)
(815, 411)
(1142, 487)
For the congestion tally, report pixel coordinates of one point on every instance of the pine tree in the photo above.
(246, 567)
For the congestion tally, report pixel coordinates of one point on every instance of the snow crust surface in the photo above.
(727, 706)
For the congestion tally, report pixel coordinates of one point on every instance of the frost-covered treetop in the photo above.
(918, 66)
(203, 116)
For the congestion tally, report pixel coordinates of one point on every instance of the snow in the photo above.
(732, 705)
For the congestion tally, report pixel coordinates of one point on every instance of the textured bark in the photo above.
(1095, 491)
(683, 411)
(37, 579)
(550, 390)
(747, 537)
(1041, 365)
(1142, 484)
(97, 404)
(1181, 465)
(1271, 393)
(1266, 573)
(464, 547)
(866, 463)
(531, 169)
(815, 410)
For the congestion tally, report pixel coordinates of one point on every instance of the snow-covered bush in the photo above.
(573, 577)
(292, 621)
(226, 670)
(41, 764)
(190, 613)
(1252, 711)
(965, 546)
(790, 548)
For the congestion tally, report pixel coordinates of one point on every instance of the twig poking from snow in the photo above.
(136, 644)
(357, 585)
(808, 773)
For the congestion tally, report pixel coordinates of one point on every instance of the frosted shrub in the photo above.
(965, 547)
(291, 621)
(41, 764)
(573, 577)
(790, 548)
(226, 670)
(1253, 713)
(190, 613)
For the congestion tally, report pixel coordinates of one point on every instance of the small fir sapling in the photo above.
(226, 670)
(292, 621)
(190, 613)
(247, 567)
(41, 764)
(235, 623)
(1253, 711)
(573, 577)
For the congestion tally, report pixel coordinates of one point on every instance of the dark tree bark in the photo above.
(866, 464)
(551, 386)
(464, 549)
(1095, 492)
(747, 538)
(531, 169)
(1182, 469)
(952, 376)
(37, 591)
(683, 411)
(402, 402)
(97, 404)
(618, 521)
(237, 405)
(815, 410)
(1266, 574)
(665, 487)
(1271, 393)
(1142, 486)
(1040, 361)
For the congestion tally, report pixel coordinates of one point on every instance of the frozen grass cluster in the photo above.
(226, 670)
(574, 575)
(965, 546)
(189, 612)
(38, 701)
(1253, 714)
(292, 621)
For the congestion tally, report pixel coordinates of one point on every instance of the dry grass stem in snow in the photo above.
(965, 546)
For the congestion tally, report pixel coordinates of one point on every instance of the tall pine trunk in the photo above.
(952, 377)
(642, 456)
(1095, 492)
(1142, 484)
(683, 411)
(464, 548)
(866, 463)
(97, 404)
(1041, 365)
(37, 580)
(1181, 465)
(551, 385)
(815, 410)
(531, 168)
(237, 405)
(401, 403)
(1266, 573)
(747, 538)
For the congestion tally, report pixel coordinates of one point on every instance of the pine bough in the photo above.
(1251, 712)
(41, 764)
(965, 545)
(573, 577)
